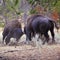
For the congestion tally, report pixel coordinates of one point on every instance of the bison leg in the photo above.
(28, 38)
(52, 33)
(5, 33)
(16, 43)
(41, 36)
(3, 38)
(47, 38)
(7, 40)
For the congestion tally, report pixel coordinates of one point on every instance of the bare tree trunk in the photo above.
(4, 6)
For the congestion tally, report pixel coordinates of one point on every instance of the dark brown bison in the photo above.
(40, 25)
(10, 26)
(32, 17)
(15, 33)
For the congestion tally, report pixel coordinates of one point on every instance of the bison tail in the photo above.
(56, 25)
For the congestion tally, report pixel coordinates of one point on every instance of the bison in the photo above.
(9, 27)
(40, 25)
(15, 33)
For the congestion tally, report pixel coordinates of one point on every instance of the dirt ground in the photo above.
(30, 52)
(27, 52)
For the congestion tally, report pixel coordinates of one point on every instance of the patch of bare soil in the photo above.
(27, 52)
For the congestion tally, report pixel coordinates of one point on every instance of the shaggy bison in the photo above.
(40, 25)
(10, 26)
(15, 33)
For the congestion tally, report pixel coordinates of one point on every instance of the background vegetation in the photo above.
(13, 9)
